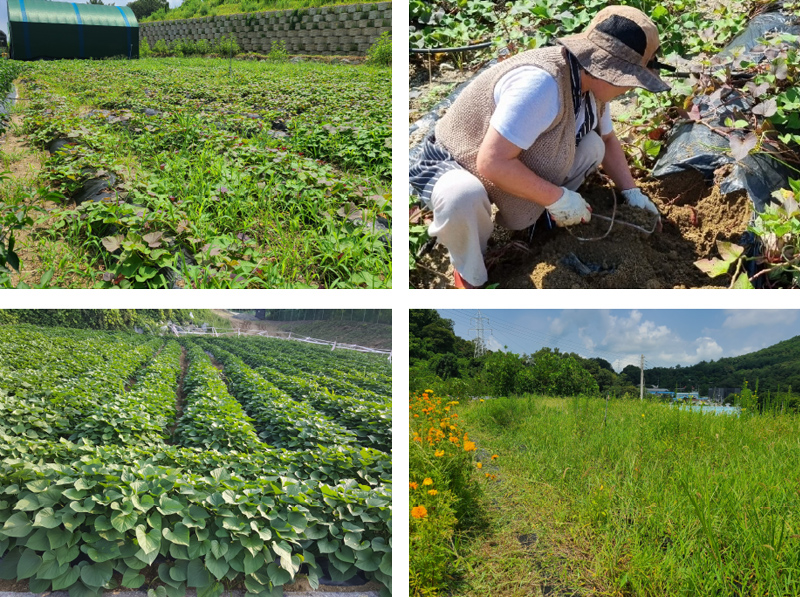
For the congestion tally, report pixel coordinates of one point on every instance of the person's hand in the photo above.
(570, 209)
(636, 198)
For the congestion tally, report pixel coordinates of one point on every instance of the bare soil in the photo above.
(694, 217)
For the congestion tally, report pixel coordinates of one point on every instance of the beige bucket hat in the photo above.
(619, 46)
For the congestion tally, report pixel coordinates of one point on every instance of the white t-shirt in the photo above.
(527, 102)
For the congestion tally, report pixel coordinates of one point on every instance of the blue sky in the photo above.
(4, 9)
(665, 337)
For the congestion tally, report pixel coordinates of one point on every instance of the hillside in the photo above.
(208, 8)
(371, 335)
(775, 367)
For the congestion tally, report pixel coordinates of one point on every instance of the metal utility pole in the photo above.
(641, 379)
(480, 340)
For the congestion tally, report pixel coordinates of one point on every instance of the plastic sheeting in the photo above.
(427, 123)
(696, 145)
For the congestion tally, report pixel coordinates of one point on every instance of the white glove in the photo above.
(636, 198)
(570, 209)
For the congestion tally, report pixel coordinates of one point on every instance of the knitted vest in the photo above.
(462, 129)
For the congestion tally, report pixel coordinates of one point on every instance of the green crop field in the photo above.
(192, 173)
(635, 498)
(212, 464)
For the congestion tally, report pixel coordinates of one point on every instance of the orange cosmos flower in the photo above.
(412, 485)
(419, 512)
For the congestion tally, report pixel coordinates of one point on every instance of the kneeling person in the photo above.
(527, 132)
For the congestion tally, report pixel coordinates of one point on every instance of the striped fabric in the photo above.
(580, 101)
(434, 161)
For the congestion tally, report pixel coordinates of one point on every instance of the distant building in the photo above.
(687, 396)
(720, 394)
(40, 29)
(660, 392)
(3, 39)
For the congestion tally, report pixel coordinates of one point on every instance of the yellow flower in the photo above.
(432, 492)
(495, 456)
(412, 485)
(479, 465)
(643, 415)
(469, 446)
(427, 481)
(439, 453)
(481, 399)
(419, 512)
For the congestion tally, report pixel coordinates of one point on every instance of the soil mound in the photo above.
(694, 216)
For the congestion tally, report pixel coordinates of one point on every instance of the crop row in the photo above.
(52, 400)
(370, 421)
(61, 361)
(369, 372)
(291, 362)
(72, 526)
(367, 466)
(212, 418)
(144, 413)
(281, 421)
(102, 502)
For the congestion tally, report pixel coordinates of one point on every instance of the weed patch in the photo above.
(173, 173)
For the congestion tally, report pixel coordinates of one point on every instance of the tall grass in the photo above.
(665, 501)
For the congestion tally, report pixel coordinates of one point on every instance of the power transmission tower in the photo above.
(480, 340)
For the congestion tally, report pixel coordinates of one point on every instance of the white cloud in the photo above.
(494, 344)
(737, 320)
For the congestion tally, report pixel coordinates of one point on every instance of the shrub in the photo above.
(277, 51)
(380, 53)
(160, 49)
(144, 49)
(227, 45)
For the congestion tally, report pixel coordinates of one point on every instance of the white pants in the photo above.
(462, 213)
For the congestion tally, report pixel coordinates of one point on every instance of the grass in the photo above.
(240, 181)
(643, 500)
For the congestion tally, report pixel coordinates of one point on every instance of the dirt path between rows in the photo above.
(180, 396)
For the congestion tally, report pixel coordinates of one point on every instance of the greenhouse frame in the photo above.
(40, 29)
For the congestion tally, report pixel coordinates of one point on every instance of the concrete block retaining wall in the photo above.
(329, 30)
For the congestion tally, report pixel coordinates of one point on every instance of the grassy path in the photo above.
(528, 547)
(647, 500)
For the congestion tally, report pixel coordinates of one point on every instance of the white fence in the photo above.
(213, 331)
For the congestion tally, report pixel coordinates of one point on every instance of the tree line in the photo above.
(441, 361)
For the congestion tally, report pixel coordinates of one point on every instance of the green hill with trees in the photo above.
(775, 368)
(445, 363)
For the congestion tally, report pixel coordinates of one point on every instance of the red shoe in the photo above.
(460, 282)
